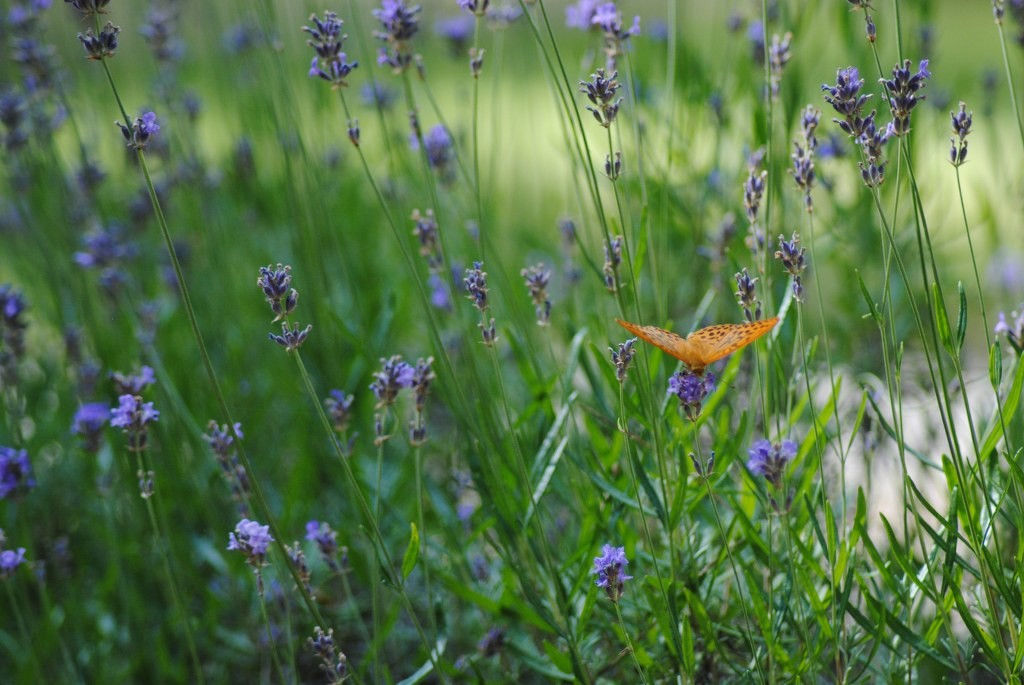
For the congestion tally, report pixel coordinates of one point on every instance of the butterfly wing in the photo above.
(714, 342)
(676, 345)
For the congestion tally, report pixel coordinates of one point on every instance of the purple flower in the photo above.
(438, 293)
(439, 145)
(746, 295)
(691, 389)
(961, 128)
(399, 24)
(102, 46)
(276, 286)
(476, 286)
(581, 14)
(10, 560)
(769, 460)
(89, 422)
(457, 30)
(291, 338)
(133, 416)
(394, 375)
(89, 7)
(251, 539)
(612, 260)
(326, 540)
(339, 408)
(330, 63)
(902, 92)
(622, 358)
(492, 643)
(133, 384)
(537, 278)
(600, 90)
(12, 326)
(610, 569)
(15, 473)
(141, 130)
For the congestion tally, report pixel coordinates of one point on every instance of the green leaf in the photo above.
(412, 552)
(872, 306)
(995, 429)
(995, 365)
(428, 666)
(961, 322)
(942, 320)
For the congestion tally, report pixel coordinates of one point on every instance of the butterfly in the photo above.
(705, 346)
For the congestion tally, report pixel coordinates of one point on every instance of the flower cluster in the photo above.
(330, 63)
(580, 15)
(622, 358)
(477, 7)
(612, 260)
(140, 131)
(903, 91)
(106, 250)
(135, 383)
(439, 148)
(962, 121)
(426, 232)
(339, 409)
(492, 642)
(326, 539)
(537, 278)
(803, 154)
(12, 332)
(753, 192)
(133, 416)
(282, 298)
(102, 46)
(746, 295)
(600, 90)
(608, 18)
(251, 539)
(792, 257)
(422, 377)
(846, 100)
(769, 460)
(778, 56)
(222, 443)
(89, 7)
(476, 285)
(692, 389)
(15, 473)
(610, 569)
(10, 559)
(394, 375)
(333, 661)
(1013, 330)
(399, 24)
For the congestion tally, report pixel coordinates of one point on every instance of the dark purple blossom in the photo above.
(399, 24)
(622, 358)
(476, 285)
(902, 91)
(746, 295)
(251, 539)
(326, 540)
(847, 101)
(792, 257)
(491, 643)
(134, 416)
(332, 660)
(962, 121)
(291, 338)
(88, 7)
(612, 260)
(16, 477)
(102, 46)
(394, 375)
(600, 90)
(457, 31)
(769, 460)
(276, 286)
(141, 130)
(12, 329)
(330, 63)
(537, 278)
(691, 389)
(610, 569)
(339, 408)
(439, 292)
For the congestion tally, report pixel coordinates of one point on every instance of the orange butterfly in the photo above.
(705, 346)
